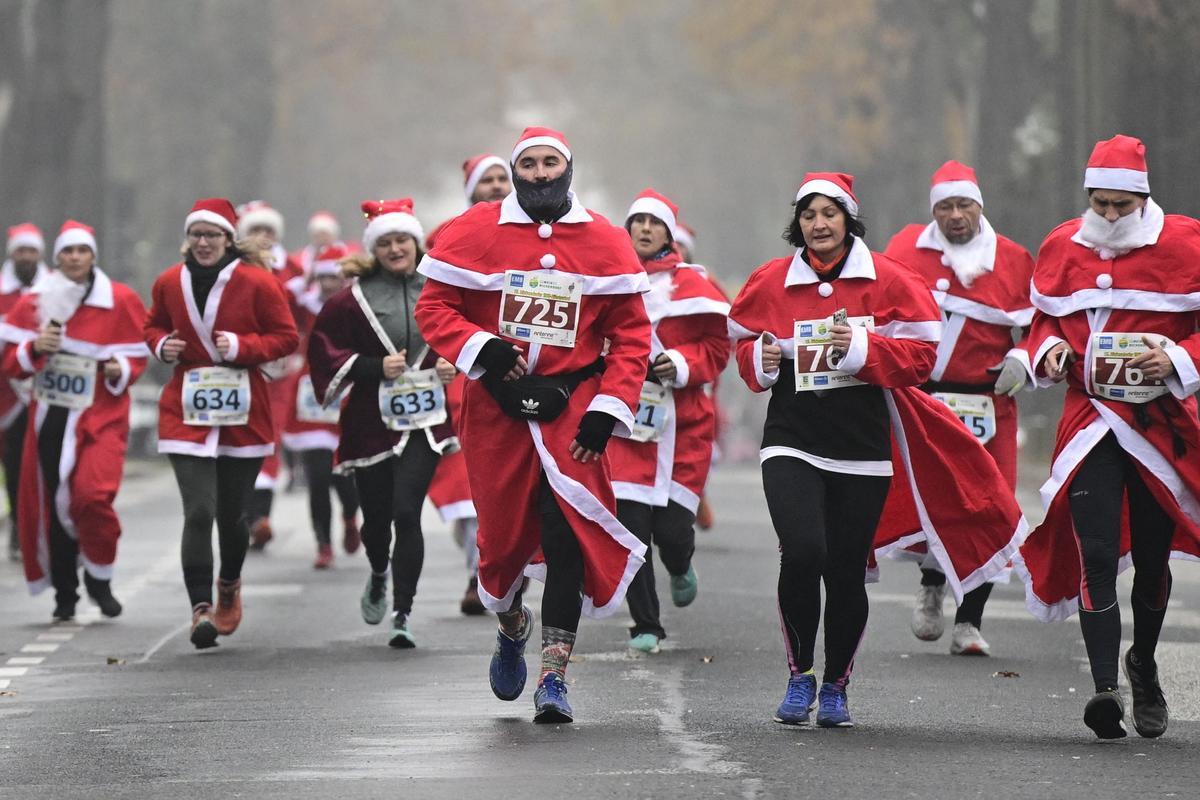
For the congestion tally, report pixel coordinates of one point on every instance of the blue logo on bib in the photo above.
(522, 331)
(820, 380)
(1118, 392)
(806, 330)
(1106, 342)
(517, 280)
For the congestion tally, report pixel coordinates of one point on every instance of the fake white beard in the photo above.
(1112, 239)
(59, 297)
(973, 259)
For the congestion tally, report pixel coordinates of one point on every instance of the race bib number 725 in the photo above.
(541, 306)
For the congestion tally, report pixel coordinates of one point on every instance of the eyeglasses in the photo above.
(210, 236)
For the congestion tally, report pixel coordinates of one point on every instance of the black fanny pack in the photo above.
(539, 398)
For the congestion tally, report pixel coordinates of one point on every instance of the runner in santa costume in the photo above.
(659, 473)
(523, 295)
(854, 456)
(21, 270)
(980, 280)
(78, 335)
(218, 316)
(312, 430)
(324, 230)
(486, 178)
(263, 225)
(394, 424)
(1116, 296)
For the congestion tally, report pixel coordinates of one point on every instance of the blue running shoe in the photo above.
(799, 701)
(507, 671)
(550, 705)
(683, 587)
(832, 710)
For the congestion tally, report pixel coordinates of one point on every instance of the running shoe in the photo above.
(324, 558)
(260, 533)
(1105, 714)
(401, 637)
(64, 610)
(507, 672)
(204, 632)
(550, 706)
(374, 599)
(968, 641)
(228, 615)
(1149, 704)
(928, 625)
(351, 537)
(683, 587)
(645, 643)
(100, 591)
(833, 711)
(471, 605)
(799, 700)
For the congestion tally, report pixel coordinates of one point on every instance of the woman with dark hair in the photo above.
(218, 316)
(842, 336)
(394, 425)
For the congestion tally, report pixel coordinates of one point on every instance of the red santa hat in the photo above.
(837, 185)
(685, 235)
(474, 167)
(658, 206)
(390, 216)
(534, 136)
(215, 211)
(953, 179)
(326, 262)
(324, 221)
(74, 233)
(1118, 163)
(257, 214)
(25, 235)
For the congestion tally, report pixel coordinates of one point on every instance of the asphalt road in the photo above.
(307, 701)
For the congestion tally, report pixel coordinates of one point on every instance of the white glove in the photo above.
(1012, 376)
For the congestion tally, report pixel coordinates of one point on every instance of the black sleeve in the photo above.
(367, 368)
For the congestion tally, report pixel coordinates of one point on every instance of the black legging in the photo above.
(392, 493)
(64, 549)
(213, 490)
(318, 471)
(562, 595)
(973, 601)
(826, 524)
(1105, 479)
(669, 527)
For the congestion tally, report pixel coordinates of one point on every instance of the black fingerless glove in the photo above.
(497, 357)
(595, 429)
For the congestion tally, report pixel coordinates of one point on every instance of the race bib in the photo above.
(416, 399)
(815, 366)
(309, 409)
(977, 412)
(216, 396)
(66, 381)
(652, 414)
(1113, 378)
(541, 306)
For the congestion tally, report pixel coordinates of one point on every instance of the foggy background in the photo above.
(121, 113)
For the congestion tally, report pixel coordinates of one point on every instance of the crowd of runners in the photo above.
(548, 381)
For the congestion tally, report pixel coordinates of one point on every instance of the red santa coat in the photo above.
(977, 324)
(108, 325)
(459, 312)
(688, 319)
(248, 305)
(1077, 293)
(12, 401)
(298, 434)
(450, 489)
(946, 490)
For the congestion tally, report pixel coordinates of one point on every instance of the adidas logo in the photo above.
(530, 406)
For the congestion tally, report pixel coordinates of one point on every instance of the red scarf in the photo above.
(820, 267)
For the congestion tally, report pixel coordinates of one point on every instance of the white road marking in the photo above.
(13, 672)
(40, 648)
(25, 661)
(55, 637)
(5, 683)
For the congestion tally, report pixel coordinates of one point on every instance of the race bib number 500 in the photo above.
(815, 364)
(216, 396)
(1113, 378)
(66, 381)
(541, 306)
